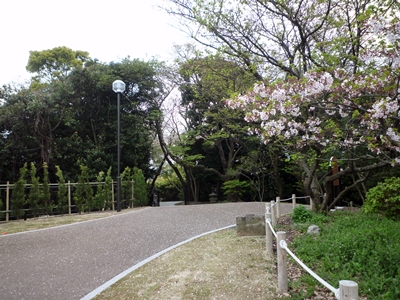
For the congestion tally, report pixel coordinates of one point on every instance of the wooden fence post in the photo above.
(311, 204)
(348, 290)
(278, 207)
(273, 213)
(294, 201)
(69, 197)
(268, 232)
(282, 262)
(8, 202)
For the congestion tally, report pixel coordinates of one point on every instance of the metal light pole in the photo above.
(118, 86)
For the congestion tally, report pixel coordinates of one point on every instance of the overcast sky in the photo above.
(108, 30)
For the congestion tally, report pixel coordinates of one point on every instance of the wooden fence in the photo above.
(348, 290)
(9, 187)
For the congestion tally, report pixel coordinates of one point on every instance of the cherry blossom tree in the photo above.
(336, 110)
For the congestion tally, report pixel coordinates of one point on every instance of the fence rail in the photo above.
(348, 290)
(9, 187)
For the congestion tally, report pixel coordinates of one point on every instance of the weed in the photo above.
(301, 214)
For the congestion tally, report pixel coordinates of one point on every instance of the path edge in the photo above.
(121, 275)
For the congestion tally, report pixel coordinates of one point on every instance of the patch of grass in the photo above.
(354, 246)
(216, 266)
(53, 221)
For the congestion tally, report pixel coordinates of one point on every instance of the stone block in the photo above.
(250, 225)
(313, 229)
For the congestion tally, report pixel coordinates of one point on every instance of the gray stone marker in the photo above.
(250, 225)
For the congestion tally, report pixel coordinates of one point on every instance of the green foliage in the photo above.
(34, 192)
(56, 62)
(384, 198)
(126, 187)
(301, 214)
(168, 184)
(45, 196)
(48, 114)
(235, 188)
(99, 198)
(83, 195)
(108, 190)
(62, 196)
(359, 247)
(140, 192)
(18, 193)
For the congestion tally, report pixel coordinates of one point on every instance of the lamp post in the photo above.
(118, 86)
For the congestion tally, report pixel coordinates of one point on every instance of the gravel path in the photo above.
(69, 262)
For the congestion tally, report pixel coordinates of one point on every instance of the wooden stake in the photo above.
(282, 262)
(268, 232)
(348, 290)
(294, 201)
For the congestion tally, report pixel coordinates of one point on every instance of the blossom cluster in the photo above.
(364, 107)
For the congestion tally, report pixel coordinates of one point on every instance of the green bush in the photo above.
(384, 198)
(301, 214)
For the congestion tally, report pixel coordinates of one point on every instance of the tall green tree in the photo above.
(216, 135)
(56, 63)
(68, 114)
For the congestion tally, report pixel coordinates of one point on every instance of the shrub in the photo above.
(384, 198)
(301, 214)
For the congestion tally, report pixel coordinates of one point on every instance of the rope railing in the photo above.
(283, 245)
(348, 290)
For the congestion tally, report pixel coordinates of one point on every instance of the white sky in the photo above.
(108, 30)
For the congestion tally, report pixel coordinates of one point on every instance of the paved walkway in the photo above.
(69, 262)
